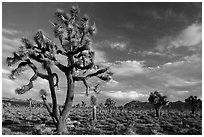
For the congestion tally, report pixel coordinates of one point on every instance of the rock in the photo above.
(70, 127)
(16, 121)
(42, 130)
(6, 131)
(130, 132)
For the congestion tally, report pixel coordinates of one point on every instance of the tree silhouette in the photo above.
(74, 34)
(30, 105)
(83, 104)
(194, 102)
(110, 104)
(158, 101)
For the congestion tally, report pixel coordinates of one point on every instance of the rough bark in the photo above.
(94, 113)
(158, 111)
(193, 110)
(61, 126)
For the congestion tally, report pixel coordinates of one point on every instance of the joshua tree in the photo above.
(93, 104)
(83, 104)
(121, 108)
(78, 105)
(74, 34)
(43, 95)
(109, 103)
(158, 101)
(194, 102)
(30, 104)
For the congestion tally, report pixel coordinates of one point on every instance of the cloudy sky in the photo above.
(148, 46)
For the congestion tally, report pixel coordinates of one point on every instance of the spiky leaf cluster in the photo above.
(109, 103)
(43, 93)
(157, 99)
(93, 100)
(83, 104)
(74, 33)
(42, 51)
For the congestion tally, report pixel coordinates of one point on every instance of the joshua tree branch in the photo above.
(43, 76)
(84, 80)
(37, 58)
(89, 66)
(53, 95)
(26, 88)
(77, 50)
(97, 73)
(47, 105)
(60, 66)
(61, 52)
(48, 108)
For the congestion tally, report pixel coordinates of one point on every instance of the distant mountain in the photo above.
(178, 105)
(12, 99)
(15, 101)
(137, 105)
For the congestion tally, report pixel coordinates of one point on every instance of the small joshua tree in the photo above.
(43, 95)
(83, 104)
(93, 104)
(194, 103)
(110, 104)
(120, 108)
(158, 101)
(30, 104)
(30, 101)
(74, 34)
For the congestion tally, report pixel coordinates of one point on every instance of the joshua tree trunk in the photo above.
(55, 109)
(94, 113)
(30, 105)
(61, 126)
(158, 111)
(193, 110)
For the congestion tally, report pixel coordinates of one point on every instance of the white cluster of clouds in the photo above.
(119, 45)
(173, 78)
(190, 37)
(10, 31)
(9, 86)
(128, 68)
(129, 95)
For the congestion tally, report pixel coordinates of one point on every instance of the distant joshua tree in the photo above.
(83, 104)
(78, 105)
(158, 101)
(110, 104)
(30, 104)
(74, 34)
(121, 108)
(194, 102)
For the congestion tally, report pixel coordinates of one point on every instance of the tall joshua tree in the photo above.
(194, 103)
(74, 34)
(93, 100)
(158, 101)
